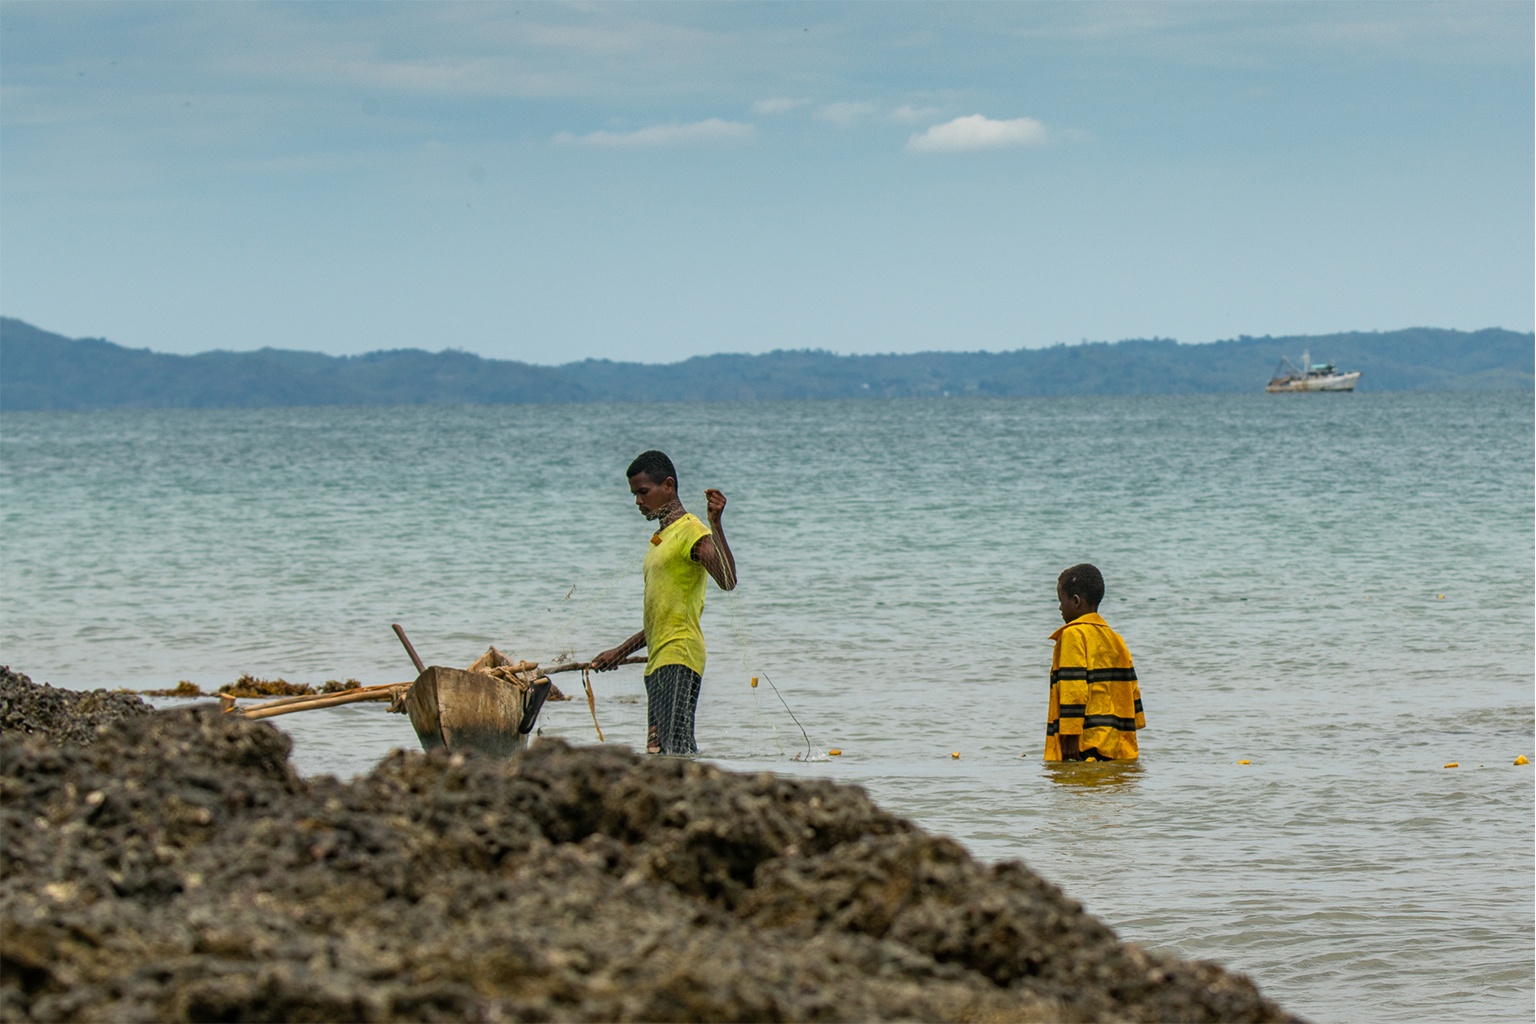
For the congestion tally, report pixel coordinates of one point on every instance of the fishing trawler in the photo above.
(1310, 376)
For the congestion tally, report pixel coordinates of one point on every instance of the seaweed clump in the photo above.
(249, 686)
(179, 869)
(185, 688)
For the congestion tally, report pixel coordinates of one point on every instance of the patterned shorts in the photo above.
(671, 695)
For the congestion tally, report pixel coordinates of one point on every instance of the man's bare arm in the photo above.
(611, 657)
(714, 552)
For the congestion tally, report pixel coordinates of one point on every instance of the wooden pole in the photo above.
(584, 666)
(305, 698)
(301, 698)
(420, 668)
(351, 697)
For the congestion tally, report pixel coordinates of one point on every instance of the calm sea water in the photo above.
(1337, 589)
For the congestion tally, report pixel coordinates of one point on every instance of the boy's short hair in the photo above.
(1084, 581)
(655, 465)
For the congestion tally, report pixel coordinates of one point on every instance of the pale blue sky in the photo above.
(653, 181)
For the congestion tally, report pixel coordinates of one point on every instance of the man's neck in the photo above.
(672, 513)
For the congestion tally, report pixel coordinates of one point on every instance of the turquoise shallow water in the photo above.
(1276, 564)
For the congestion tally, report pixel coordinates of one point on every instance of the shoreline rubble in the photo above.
(173, 866)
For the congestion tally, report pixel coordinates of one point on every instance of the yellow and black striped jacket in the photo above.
(1094, 694)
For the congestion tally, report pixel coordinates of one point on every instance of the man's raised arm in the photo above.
(712, 552)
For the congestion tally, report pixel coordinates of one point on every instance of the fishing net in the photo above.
(671, 695)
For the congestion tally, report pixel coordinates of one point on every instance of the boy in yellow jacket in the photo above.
(1095, 706)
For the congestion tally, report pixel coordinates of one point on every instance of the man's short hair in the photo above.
(1084, 581)
(655, 465)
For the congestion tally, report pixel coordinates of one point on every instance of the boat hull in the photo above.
(462, 711)
(1333, 382)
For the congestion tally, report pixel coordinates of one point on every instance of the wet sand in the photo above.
(174, 866)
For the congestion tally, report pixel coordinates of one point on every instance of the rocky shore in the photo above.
(61, 716)
(172, 866)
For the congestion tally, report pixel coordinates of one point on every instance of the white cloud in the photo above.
(701, 133)
(976, 131)
(845, 114)
(908, 114)
(777, 106)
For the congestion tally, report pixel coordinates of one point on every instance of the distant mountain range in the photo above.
(39, 370)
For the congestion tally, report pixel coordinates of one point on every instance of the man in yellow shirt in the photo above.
(1095, 706)
(682, 551)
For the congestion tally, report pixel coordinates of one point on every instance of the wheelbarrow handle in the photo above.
(420, 668)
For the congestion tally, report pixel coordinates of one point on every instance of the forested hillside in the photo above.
(39, 370)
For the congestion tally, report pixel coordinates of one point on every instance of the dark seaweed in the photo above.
(176, 868)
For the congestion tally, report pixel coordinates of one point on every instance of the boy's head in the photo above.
(653, 482)
(1079, 591)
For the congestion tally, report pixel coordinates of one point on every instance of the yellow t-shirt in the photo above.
(674, 598)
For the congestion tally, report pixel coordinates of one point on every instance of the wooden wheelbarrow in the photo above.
(491, 707)
(462, 710)
(492, 712)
